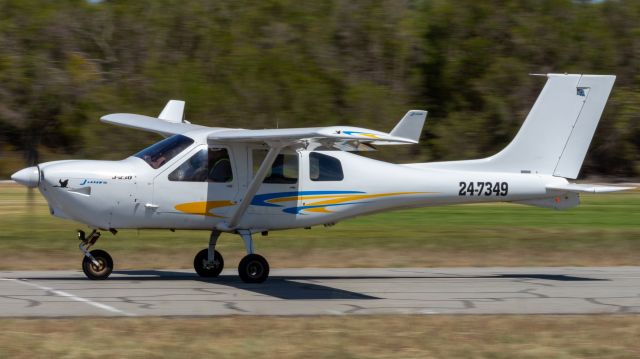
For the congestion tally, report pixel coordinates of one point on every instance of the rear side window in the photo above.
(324, 168)
(284, 169)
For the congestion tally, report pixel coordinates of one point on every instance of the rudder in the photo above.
(596, 90)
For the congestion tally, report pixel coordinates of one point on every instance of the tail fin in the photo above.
(556, 135)
(557, 132)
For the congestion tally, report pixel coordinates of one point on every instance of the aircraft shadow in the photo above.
(557, 277)
(291, 287)
(276, 286)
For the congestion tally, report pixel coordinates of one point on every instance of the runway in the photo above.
(536, 290)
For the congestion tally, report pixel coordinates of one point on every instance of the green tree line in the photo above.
(287, 63)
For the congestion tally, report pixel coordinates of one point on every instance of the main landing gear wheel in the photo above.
(253, 268)
(204, 268)
(101, 268)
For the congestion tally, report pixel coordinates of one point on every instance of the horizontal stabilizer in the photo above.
(410, 126)
(587, 188)
(567, 201)
(147, 123)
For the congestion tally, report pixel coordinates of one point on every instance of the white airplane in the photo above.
(254, 181)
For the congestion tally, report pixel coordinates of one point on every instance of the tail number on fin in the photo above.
(499, 189)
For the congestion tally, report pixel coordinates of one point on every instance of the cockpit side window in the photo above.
(162, 152)
(207, 165)
(284, 169)
(324, 168)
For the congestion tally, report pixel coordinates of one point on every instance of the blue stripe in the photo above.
(261, 199)
(297, 210)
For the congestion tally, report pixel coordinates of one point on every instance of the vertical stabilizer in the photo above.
(555, 136)
(549, 131)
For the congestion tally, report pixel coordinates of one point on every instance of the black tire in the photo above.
(200, 261)
(253, 268)
(101, 271)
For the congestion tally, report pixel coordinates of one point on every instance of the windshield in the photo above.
(162, 152)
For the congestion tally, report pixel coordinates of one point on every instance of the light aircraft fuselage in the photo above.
(132, 194)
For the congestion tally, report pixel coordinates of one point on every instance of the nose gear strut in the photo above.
(87, 242)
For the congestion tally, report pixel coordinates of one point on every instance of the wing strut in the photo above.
(253, 188)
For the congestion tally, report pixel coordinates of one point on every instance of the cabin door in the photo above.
(198, 191)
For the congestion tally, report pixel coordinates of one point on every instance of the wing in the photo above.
(169, 122)
(342, 137)
(147, 123)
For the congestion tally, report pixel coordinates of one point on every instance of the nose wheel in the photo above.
(96, 264)
(98, 268)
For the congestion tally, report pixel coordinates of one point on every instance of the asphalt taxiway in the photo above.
(536, 290)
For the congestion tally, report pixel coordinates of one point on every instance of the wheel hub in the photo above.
(100, 266)
(210, 265)
(254, 269)
(206, 268)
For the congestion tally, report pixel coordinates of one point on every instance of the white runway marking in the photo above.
(60, 293)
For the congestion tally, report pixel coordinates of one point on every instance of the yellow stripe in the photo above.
(318, 210)
(203, 208)
(350, 197)
(360, 197)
